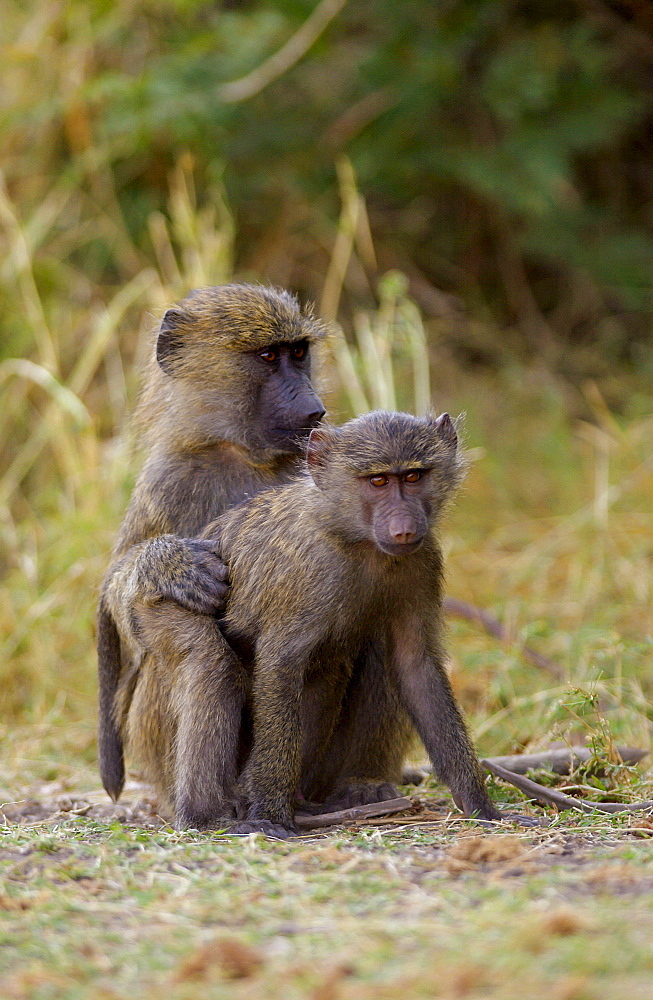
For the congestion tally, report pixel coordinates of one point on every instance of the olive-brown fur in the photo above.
(312, 590)
(219, 424)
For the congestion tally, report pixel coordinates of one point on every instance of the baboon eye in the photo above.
(269, 354)
(299, 351)
(413, 476)
(379, 480)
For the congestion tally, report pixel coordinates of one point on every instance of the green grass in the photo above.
(90, 909)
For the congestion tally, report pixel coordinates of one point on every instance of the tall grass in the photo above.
(65, 441)
(552, 532)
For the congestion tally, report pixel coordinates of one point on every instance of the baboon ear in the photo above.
(445, 430)
(170, 341)
(320, 444)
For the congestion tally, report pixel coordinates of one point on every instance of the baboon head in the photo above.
(387, 476)
(234, 362)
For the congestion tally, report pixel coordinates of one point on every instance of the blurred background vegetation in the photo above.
(465, 186)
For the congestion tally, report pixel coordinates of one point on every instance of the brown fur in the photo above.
(319, 584)
(212, 441)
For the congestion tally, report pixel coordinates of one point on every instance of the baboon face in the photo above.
(287, 406)
(387, 476)
(396, 506)
(239, 357)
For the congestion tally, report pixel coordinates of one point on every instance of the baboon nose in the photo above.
(402, 530)
(314, 417)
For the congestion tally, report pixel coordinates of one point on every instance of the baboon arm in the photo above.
(429, 700)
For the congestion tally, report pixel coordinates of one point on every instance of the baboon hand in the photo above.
(190, 572)
(203, 587)
(476, 803)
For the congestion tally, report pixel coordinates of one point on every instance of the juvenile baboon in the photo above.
(227, 407)
(344, 559)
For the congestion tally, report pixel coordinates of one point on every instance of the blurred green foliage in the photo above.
(490, 159)
(503, 149)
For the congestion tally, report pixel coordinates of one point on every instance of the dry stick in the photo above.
(307, 822)
(561, 760)
(461, 609)
(559, 799)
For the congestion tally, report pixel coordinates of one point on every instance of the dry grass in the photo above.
(66, 444)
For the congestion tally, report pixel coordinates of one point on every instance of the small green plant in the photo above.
(604, 771)
(584, 706)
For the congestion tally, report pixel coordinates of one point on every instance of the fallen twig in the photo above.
(559, 799)
(462, 609)
(308, 822)
(560, 760)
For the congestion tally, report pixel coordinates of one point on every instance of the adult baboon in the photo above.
(227, 407)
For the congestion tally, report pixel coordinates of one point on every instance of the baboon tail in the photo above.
(112, 765)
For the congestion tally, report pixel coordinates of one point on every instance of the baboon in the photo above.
(226, 411)
(343, 559)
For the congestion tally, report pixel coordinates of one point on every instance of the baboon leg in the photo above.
(206, 751)
(149, 729)
(364, 758)
(197, 682)
(320, 709)
(269, 782)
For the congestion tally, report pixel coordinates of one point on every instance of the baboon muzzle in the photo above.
(402, 529)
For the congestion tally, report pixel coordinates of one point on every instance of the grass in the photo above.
(90, 909)
(552, 534)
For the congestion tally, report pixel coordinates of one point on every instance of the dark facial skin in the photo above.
(287, 403)
(396, 508)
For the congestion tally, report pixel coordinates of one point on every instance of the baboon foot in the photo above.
(201, 817)
(522, 820)
(475, 804)
(349, 794)
(518, 818)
